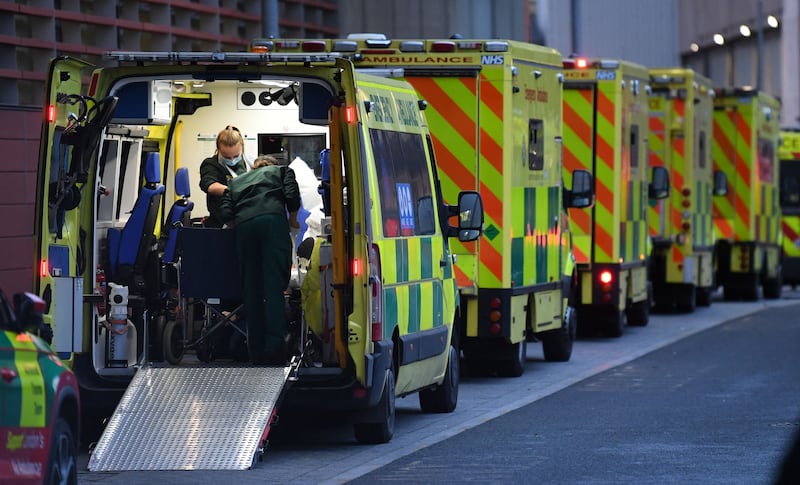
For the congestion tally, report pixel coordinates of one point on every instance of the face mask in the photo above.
(231, 162)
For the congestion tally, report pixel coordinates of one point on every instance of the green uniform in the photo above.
(213, 170)
(258, 201)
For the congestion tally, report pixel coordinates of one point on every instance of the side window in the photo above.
(535, 144)
(405, 187)
(790, 186)
(634, 145)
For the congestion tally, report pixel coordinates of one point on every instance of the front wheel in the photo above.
(380, 431)
(62, 462)
(444, 397)
(173, 342)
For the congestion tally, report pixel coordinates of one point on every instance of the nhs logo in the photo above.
(491, 59)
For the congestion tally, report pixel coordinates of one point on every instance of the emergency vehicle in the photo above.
(747, 220)
(681, 226)
(789, 155)
(39, 400)
(495, 118)
(605, 132)
(119, 147)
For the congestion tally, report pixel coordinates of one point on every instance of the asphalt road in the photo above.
(718, 407)
(638, 422)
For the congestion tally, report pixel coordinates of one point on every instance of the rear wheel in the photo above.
(703, 296)
(557, 344)
(444, 397)
(687, 298)
(515, 366)
(380, 431)
(772, 286)
(62, 462)
(639, 313)
(616, 324)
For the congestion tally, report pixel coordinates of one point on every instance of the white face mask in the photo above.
(231, 162)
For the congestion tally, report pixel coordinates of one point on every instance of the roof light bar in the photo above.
(495, 46)
(443, 46)
(219, 57)
(412, 46)
(345, 45)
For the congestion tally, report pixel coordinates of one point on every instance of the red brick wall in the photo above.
(19, 152)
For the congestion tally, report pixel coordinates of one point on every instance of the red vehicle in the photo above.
(39, 400)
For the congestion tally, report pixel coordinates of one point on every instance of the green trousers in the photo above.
(265, 263)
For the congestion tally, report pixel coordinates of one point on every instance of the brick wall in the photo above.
(19, 152)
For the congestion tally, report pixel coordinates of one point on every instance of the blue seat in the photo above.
(129, 247)
(179, 215)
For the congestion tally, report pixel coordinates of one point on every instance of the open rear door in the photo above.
(60, 257)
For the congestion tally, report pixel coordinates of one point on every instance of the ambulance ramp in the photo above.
(191, 418)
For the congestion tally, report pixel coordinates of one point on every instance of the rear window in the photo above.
(405, 185)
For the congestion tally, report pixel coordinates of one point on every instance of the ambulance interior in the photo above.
(149, 167)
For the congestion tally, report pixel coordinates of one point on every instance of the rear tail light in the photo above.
(376, 288)
(495, 315)
(606, 277)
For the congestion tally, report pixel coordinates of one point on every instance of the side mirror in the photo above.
(470, 216)
(720, 183)
(582, 193)
(659, 184)
(29, 309)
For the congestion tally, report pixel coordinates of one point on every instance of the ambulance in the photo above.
(747, 220)
(605, 133)
(373, 320)
(682, 263)
(789, 156)
(495, 118)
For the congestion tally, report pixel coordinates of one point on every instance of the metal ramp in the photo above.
(191, 418)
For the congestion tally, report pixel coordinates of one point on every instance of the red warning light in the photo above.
(581, 63)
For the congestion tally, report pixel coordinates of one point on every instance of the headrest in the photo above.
(182, 182)
(152, 168)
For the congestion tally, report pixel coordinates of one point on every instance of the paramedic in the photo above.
(217, 171)
(256, 205)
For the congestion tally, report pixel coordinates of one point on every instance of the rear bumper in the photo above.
(333, 388)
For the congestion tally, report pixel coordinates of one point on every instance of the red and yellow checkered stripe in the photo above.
(657, 157)
(466, 119)
(744, 148)
(591, 147)
(596, 138)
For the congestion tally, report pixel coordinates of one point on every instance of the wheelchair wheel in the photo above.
(206, 350)
(172, 342)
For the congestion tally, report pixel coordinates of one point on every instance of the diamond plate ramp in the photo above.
(190, 418)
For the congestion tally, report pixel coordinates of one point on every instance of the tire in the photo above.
(686, 298)
(156, 340)
(172, 342)
(772, 286)
(515, 365)
(703, 296)
(444, 397)
(206, 351)
(638, 313)
(557, 344)
(616, 324)
(383, 430)
(62, 460)
(750, 291)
